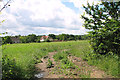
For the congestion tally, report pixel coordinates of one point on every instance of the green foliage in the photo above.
(59, 56)
(6, 39)
(37, 39)
(62, 57)
(50, 64)
(23, 39)
(10, 70)
(33, 38)
(29, 38)
(104, 62)
(37, 59)
(27, 55)
(101, 61)
(52, 36)
(47, 40)
(65, 64)
(67, 37)
(105, 31)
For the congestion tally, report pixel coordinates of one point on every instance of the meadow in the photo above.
(21, 58)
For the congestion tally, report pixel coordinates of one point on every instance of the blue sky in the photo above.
(71, 6)
(44, 17)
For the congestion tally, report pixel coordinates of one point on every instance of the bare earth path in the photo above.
(94, 71)
(47, 72)
(42, 67)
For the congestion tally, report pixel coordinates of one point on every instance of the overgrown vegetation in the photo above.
(62, 57)
(10, 70)
(105, 36)
(109, 62)
(67, 67)
(50, 64)
(27, 55)
(105, 27)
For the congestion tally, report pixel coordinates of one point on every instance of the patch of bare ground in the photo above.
(94, 71)
(47, 72)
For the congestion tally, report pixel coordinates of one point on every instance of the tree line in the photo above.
(36, 38)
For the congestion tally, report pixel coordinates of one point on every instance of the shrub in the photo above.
(10, 71)
(104, 31)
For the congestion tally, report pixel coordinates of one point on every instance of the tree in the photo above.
(52, 36)
(38, 39)
(6, 40)
(63, 37)
(104, 25)
(23, 39)
(71, 37)
(31, 38)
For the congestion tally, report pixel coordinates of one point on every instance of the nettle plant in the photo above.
(104, 27)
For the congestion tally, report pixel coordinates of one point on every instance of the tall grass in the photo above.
(27, 55)
(109, 62)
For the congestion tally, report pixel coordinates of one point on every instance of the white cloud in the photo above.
(41, 17)
(79, 3)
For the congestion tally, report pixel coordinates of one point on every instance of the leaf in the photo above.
(3, 21)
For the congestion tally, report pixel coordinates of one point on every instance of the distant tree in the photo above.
(71, 37)
(31, 38)
(7, 39)
(63, 37)
(16, 36)
(47, 40)
(57, 37)
(52, 36)
(23, 39)
(38, 39)
(79, 37)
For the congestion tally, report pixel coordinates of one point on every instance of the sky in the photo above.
(43, 17)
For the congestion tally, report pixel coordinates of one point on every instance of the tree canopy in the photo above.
(104, 27)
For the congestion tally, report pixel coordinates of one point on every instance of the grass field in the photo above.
(29, 54)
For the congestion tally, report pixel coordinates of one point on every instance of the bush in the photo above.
(105, 31)
(10, 71)
(6, 40)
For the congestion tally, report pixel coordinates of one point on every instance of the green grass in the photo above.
(108, 63)
(49, 65)
(62, 57)
(27, 55)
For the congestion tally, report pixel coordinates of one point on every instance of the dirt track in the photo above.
(95, 72)
(47, 72)
(42, 67)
